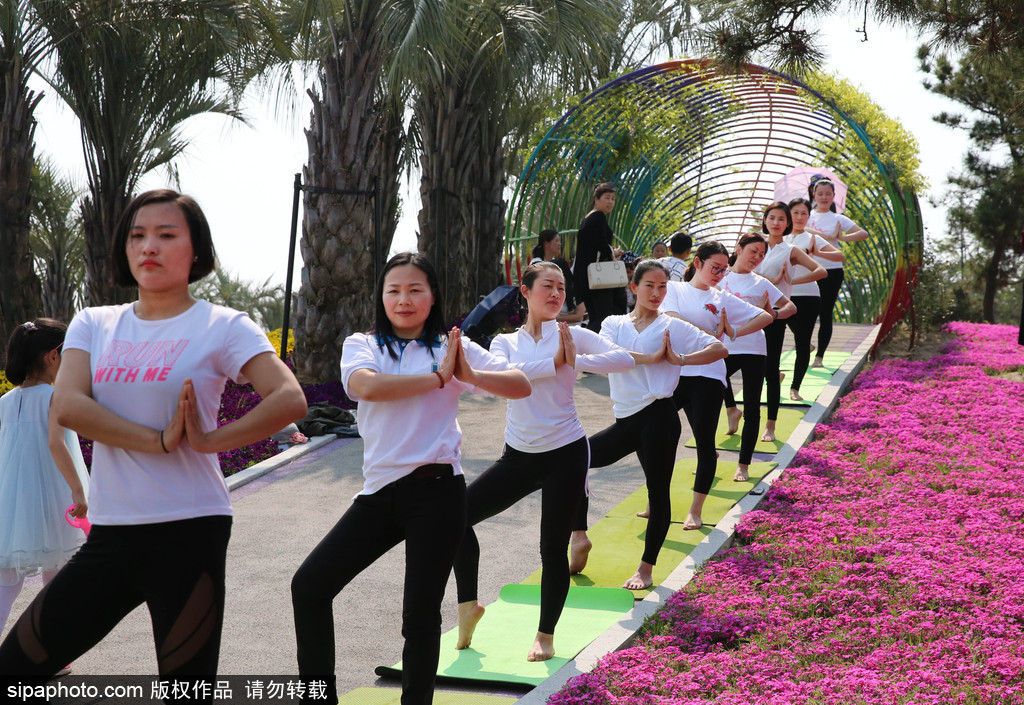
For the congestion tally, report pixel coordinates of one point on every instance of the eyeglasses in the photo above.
(716, 270)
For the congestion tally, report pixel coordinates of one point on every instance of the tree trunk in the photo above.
(19, 286)
(100, 213)
(992, 282)
(353, 146)
(462, 219)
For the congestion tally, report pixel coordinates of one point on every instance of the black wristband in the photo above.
(162, 441)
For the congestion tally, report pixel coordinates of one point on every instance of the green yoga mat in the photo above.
(833, 360)
(507, 630)
(619, 537)
(393, 696)
(788, 419)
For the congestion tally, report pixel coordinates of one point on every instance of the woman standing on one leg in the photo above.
(144, 381)
(646, 420)
(777, 266)
(700, 388)
(406, 376)
(806, 296)
(545, 448)
(834, 228)
(747, 354)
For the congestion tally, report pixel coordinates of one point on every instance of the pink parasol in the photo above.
(795, 183)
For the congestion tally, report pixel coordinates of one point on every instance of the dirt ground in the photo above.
(926, 345)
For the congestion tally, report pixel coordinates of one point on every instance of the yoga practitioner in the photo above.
(806, 296)
(545, 449)
(41, 467)
(144, 381)
(777, 266)
(646, 420)
(747, 354)
(406, 376)
(700, 389)
(835, 228)
(549, 249)
(595, 240)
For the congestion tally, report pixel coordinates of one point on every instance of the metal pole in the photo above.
(291, 265)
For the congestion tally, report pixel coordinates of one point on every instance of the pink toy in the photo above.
(79, 523)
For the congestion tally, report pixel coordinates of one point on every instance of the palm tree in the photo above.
(58, 242)
(22, 47)
(356, 144)
(133, 72)
(466, 110)
(264, 303)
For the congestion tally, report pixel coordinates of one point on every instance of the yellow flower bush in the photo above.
(275, 340)
(5, 385)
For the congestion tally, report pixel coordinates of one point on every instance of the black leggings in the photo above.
(802, 325)
(175, 567)
(701, 399)
(429, 515)
(829, 288)
(560, 474)
(653, 434)
(774, 335)
(600, 304)
(752, 368)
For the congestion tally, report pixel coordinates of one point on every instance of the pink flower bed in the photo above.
(885, 566)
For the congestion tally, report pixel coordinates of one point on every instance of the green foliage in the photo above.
(58, 242)
(264, 303)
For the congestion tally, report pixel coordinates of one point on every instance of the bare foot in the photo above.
(469, 614)
(818, 362)
(645, 514)
(543, 647)
(642, 578)
(580, 552)
(692, 522)
(782, 376)
(742, 474)
(812, 348)
(794, 395)
(734, 414)
(769, 432)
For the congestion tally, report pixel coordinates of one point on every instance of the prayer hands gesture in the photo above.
(668, 353)
(725, 327)
(173, 434)
(463, 371)
(566, 353)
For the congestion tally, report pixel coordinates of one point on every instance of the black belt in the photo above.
(433, 471)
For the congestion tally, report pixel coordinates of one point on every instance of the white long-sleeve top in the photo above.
(401, 435)
(703, 308)
(749, 287)
(547, 418)
(635, 389)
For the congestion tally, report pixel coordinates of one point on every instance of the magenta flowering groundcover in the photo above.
(886, 565)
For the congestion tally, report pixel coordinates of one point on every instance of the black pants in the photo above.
(802, 325)
(429, 515)
(653, 434)
(700, 398)
(175, 567)
(560, 475)
(600, 304)
(774, 335)
(752, 369)
(829, 288)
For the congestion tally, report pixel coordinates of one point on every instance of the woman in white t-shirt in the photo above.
(747, 354)
(407, 375)
(699, 392)
(646, 420)
(778, 267)
(806, 296)
(545, 449)
(144, 380)
(835, 228)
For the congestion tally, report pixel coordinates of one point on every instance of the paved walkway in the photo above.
(280, 517)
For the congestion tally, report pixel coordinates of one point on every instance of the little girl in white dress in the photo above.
(42, 471)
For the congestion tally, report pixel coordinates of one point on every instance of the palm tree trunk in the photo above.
(353, 146)
(462, 180)
(19, 286)
(100, 213)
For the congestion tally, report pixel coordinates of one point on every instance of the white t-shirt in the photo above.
(401, 435)
(802, 241)
(635, 389)
(775, 259)
(547, 419)
(676, 268)
(703, 308)
(138, 368)
(826, 223)
(750, 288)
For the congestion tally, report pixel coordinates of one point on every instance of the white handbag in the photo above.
(606, 275)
